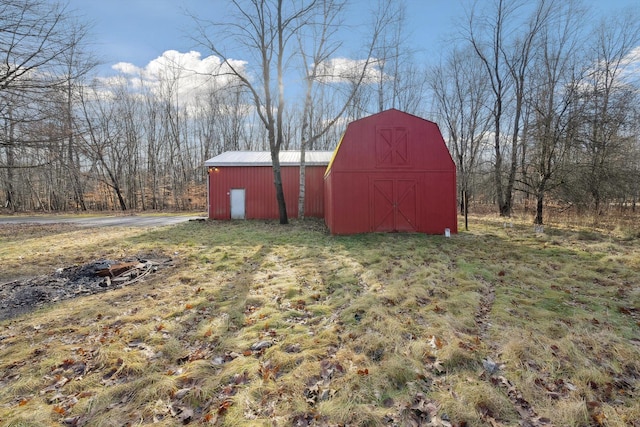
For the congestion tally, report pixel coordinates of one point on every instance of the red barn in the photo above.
(241, 184)
(391, 172)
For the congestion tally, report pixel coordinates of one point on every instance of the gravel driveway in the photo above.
(101, 221)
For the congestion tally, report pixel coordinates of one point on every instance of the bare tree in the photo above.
(38, 38)
(401, 82)
(264, 28)
(103, 141)
(322, 49)
(33, 40)
(609, 98)
(505, 44)
(389, 54)
(78, 62)
(314, 59)
(461, 92)
(551, 101)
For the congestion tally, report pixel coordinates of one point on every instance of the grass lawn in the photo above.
(262, 324)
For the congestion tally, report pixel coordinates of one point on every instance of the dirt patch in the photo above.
(23, 231)
(491, 372)
(23, 296)
(482, 320)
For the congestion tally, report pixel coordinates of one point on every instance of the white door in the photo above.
(237, 203)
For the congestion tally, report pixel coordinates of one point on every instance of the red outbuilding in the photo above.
(391, 172)
(241, 184)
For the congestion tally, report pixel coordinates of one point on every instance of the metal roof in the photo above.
(263, 158)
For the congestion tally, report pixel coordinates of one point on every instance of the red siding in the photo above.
(391, 172)
(260, 193)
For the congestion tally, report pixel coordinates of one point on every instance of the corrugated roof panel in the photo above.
(263, 158)
(317, 157)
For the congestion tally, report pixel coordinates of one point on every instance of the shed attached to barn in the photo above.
(391, 172)
(241, 184)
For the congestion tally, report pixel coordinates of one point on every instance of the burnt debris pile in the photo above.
(22, 296)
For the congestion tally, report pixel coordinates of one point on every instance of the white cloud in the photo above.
(633, 57)
(344, 70)
(181, 75)
(631, 63)
(126, 68)
(624, 72)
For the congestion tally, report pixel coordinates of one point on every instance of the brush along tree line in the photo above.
(538, 102)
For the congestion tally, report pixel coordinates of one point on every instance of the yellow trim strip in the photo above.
(335, 152)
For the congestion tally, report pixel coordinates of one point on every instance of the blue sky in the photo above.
(139, 31)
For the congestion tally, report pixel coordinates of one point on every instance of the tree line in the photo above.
(538, 102)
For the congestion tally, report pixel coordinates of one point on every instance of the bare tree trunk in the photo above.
(303, 174)
(538, 220)
(73, 165)
(304, 133)
(465, 201)
(275, 152)
(10, 201)
(506, 62)
(117, 189)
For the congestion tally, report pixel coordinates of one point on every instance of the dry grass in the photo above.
(361, 330)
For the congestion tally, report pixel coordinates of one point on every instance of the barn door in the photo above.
(394, 205)
(237, 203)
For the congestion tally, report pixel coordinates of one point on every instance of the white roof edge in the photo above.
(263, 158)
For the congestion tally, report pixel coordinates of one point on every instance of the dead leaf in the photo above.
(624, 310)
(436, 343)
(226, 404)
(184, 414)
(229, 390)
(241, 378)
(466, 346)
(599, 417)
(268, 371)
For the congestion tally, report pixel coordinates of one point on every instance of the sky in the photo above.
(137, 32)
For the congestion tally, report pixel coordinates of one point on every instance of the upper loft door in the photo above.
(392, 147)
